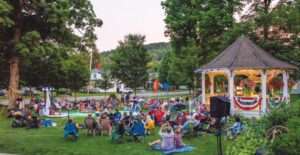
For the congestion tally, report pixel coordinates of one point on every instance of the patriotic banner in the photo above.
(247, 103)
(275, 102)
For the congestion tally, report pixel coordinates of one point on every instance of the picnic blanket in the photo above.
(173, 151)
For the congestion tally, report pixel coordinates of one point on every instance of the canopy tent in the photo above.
(243, 57)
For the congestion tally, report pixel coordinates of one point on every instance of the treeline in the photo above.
(201, 29)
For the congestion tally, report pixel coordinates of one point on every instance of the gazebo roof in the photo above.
(244, 54)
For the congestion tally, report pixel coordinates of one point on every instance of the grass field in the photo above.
(49, 141)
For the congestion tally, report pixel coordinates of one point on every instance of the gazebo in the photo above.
(256, 67)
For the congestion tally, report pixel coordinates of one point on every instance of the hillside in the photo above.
(156, 50)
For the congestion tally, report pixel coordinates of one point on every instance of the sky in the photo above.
(121, 17)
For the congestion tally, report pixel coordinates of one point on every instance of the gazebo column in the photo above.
(285, 77)
(264, 91)
(231, 90)
(203, 86)
(212, 84)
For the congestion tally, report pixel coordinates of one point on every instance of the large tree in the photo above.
(276, 27)
(75, 72)
(200, 21)
(129, 61)
(198, 31)
(44, 68)
(43, 25)
(272, 24)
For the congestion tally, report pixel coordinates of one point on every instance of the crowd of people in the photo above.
(142, 118)
(128, 118)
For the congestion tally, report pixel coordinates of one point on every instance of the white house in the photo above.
(95, 74)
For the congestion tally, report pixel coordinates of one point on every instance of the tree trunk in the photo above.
(267, 4)
(14, 59)
(13, 81)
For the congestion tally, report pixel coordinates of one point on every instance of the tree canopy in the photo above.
(29, 27)
(129, 61)
(210, 26)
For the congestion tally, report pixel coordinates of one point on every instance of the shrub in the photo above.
(247, 143)
(289, 116)
(287, 144)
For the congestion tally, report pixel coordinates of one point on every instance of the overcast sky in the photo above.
(121, 17)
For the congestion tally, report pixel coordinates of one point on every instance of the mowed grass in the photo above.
(49, 141)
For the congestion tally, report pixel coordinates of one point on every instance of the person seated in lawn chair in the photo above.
(135, 108)
(191, 126)
(117, 116)
(18, 121)
(90, 124)
(118, 132)
(138, 129)
(106, 125)
(128, 120)
(32, 122)
(149, 125)
(71, 130)
(181, 119)
(236, 128)
(158, 116)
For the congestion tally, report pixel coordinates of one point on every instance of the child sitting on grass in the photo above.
(178, 138)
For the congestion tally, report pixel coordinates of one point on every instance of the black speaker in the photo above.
(219, 106)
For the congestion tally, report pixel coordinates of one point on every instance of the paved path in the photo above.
(141, 94)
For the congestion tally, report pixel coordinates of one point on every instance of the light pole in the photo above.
(91, 65)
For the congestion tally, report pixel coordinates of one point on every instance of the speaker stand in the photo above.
(219, 136)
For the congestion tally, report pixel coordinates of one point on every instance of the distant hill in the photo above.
(156, 46)
(156, 50)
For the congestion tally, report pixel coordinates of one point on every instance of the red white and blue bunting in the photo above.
(275, 102)
(248, 103)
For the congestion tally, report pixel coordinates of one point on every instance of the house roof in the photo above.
(244, 54)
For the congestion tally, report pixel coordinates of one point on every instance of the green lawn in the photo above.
(49, 141)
